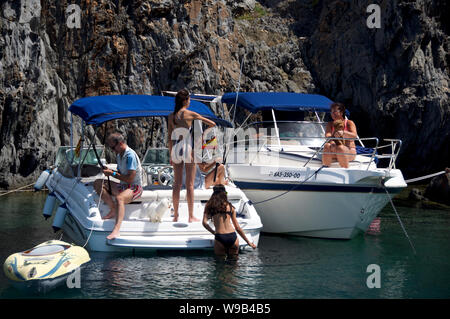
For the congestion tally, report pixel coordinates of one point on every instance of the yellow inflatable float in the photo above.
(45, 266)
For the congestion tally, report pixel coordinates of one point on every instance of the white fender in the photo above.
(60, 215)
(42, 179)
(49, 205)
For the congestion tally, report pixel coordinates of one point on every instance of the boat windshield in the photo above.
(67, 154)
(67, 161)
(293, 132)
(156, 156)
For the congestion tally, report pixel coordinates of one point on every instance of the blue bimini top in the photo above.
(279, 101)
(96, 110)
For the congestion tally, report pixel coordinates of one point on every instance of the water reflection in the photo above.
(236, 279)
(281, 267)
(171, 275)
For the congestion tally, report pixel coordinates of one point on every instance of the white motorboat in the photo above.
(147, 224)
(278, 166)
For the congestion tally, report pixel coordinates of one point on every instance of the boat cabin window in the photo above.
(292, 132)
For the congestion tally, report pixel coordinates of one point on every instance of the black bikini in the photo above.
(227, 240)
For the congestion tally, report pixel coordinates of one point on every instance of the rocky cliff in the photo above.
(394, 79)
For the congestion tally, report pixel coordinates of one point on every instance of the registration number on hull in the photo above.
(286, 174)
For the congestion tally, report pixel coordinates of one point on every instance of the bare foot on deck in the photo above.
(193, 219)
(114, 234)
(175, 218)
(111, 214)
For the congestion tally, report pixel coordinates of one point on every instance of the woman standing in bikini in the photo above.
(345, 152)
(181, 150)
(222, 213)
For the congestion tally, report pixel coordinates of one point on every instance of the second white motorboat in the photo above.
(278, 165)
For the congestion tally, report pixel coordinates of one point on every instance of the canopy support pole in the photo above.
(276, 128)
(81, 147)
(151, 133)
(71, 137)
(238, 89)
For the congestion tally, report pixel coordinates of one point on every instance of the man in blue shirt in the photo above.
(128, 173)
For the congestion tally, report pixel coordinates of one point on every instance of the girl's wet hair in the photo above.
(218, 201)
(218, 189)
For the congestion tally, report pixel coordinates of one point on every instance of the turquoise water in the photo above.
(282, 267)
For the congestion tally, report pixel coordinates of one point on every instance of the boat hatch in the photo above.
(180, 225)
(45, 250)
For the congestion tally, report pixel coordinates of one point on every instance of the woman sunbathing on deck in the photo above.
(332, 151)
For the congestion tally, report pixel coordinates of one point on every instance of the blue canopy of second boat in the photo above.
(279, 101)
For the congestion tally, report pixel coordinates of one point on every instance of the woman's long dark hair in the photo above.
(180, 100)
(218, 201)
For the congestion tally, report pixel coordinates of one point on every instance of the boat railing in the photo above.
(395, 146)
(310, 133)
(269, 144)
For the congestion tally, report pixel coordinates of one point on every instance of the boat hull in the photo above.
(84, 225)
(324, 214)
(145, 242)
(332, 205)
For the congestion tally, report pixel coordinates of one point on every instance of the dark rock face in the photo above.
(394, 79)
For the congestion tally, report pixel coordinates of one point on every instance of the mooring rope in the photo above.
(15, 190)
(93, 221)
(400, 221)
(98, 207)
(424, 177)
